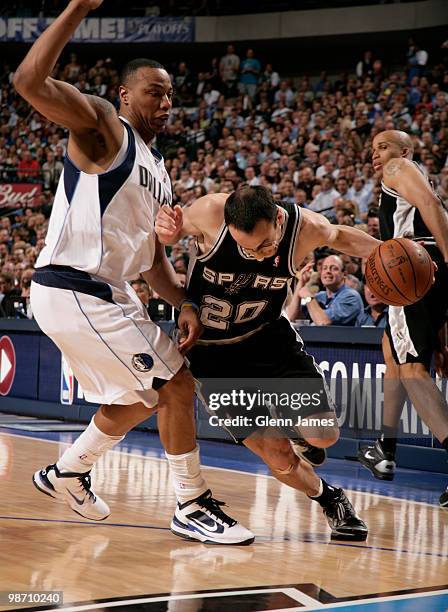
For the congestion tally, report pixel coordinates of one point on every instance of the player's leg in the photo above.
(198, 515)
(284, 464)
(69, 478)
(379, 458)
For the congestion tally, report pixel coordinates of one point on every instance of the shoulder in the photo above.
(398, 167)
(208, 211)
(351, 295)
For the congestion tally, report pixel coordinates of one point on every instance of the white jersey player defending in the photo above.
(101, 235)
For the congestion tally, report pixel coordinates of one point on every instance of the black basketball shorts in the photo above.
(275, 352)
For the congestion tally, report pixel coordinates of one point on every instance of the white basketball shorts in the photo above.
(116, 352)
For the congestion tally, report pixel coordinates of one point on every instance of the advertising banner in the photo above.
(105, 29)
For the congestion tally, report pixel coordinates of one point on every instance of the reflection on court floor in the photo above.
(133, 562)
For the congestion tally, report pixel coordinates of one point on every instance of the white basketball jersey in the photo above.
(103, 224)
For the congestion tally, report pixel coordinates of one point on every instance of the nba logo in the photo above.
(67, 382)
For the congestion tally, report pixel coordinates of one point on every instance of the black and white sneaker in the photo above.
(74, 489)
(381, 464)
(202, 519)
(343, 520)
(311, 454)
(443, 499)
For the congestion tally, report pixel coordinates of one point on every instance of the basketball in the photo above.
(400, 272)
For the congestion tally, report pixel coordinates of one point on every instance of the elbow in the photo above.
(22, 81)
(18, 80)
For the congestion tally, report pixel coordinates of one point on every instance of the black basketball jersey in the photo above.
(399, 219)
(237, 294)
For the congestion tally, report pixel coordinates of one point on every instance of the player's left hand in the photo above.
(190, 329)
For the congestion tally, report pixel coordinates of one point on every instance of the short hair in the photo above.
(248, 205)
(131, 68)
(7, 278)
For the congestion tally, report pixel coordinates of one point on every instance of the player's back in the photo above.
(103, 224)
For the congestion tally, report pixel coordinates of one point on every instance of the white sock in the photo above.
(186, 474)
(86, 450)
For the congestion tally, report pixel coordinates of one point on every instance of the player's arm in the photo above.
(58, 101)
(402, 176)
(202, 217)
(319, 232)
(162, 278)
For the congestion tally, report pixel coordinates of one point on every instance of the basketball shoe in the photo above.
(202, 519)
(73, 489)
(443, 499)
(344, 523)
(380, 463)
(311, 454)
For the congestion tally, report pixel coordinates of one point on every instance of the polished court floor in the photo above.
(133, 562)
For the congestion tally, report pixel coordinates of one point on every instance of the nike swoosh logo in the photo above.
(216, 526)
(80, 502)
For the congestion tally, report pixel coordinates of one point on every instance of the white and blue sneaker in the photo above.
(202, 519)
(74, 489)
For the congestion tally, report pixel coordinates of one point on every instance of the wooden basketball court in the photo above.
(133, 562)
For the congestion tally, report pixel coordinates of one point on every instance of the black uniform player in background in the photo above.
(409, 208)
(248, 251)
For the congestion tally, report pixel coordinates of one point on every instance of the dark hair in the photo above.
(248, 205)
(131, 67)
(372, 213)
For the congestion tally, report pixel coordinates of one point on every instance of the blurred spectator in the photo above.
(228, 69)
(417, 60)
(337, 304)
(249, 74)
(10, 300)
(365, 66)
(158, 309)
(375, 313)
(354, 283)
(270, 76)
(360, 194)
(51, 171)
(28, 169)
(323, 202)
(373, 224)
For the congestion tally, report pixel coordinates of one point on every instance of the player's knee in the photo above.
(324, 437)
(324, 432)
(181, 386)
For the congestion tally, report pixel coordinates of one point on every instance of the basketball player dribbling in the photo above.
(101, 234)
(409, 208)
(248, 251)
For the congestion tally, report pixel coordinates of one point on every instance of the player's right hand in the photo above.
(89, 5)
(168, 224)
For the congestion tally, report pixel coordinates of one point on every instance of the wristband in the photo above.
(188, 304)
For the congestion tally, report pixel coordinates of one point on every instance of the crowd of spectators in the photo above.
(239, 120)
